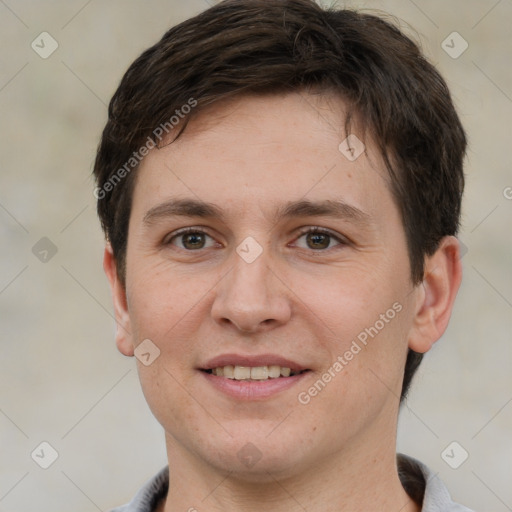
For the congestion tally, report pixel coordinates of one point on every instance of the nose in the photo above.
(252, 297)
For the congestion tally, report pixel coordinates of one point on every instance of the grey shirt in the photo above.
(418, 480)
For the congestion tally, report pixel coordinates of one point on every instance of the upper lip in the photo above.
(253, 361)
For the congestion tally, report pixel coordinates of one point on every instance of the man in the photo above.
(280, 187)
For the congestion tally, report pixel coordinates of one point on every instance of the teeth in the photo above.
(259, 373)
(242, 372)
(274, 371)
(229, 371)
(252, 373)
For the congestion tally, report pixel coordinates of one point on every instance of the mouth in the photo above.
(252, 377)
(257, 373)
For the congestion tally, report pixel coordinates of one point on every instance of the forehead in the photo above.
(266, 150)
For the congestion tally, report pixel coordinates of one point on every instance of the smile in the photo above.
(249, 377)
(252, 373)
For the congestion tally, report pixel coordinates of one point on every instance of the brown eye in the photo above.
(193, 240)
(189, 239)
(319, 239)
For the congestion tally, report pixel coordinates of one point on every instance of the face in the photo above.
(257, 248)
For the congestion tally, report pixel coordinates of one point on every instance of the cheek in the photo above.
(164, 390)
(348, 301)
(364, 319)
(161, 299)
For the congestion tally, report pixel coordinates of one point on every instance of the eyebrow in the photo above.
(301, 208)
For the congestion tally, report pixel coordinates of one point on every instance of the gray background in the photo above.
(61, 378)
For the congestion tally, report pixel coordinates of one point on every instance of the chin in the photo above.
(266, 469)
(257, 458)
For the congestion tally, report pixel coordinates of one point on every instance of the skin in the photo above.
(303, 298)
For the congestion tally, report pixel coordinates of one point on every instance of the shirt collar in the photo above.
(421, 483)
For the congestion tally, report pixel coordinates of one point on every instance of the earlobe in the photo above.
(123, 329)
(436, 295)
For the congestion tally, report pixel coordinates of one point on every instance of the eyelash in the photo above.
(312, 229)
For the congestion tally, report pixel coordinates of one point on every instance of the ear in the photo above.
(436, 295)
(123, 328)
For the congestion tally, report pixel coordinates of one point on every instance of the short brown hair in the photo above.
(261, 46)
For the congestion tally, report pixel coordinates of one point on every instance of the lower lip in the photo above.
(253, 389)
